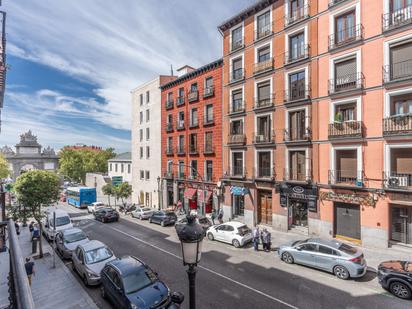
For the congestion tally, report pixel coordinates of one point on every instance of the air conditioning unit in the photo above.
(397, 181)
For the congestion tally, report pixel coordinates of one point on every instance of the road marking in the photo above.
(209, 270)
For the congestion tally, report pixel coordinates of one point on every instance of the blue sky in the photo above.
(73, 63)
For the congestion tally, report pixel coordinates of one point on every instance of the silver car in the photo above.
(142, 213)
(333, 256)
(68, 240)
(89, 259)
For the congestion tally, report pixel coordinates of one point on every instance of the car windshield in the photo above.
(243, 230)
(138, 280)
(62, 221)
(347, 249)
(73, 237)
(145, 209)
(97, 255)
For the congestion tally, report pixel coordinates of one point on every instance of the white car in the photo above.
(93, 207)
(142, 213)
(63, 222)
(235, 233)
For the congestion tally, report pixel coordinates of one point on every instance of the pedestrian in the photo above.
(220, 215)
(265, 239)
(36, 232)
(29, 266)
(31, 227)
(256, 235)
(269, 243)
(213, 216)
(17, 227)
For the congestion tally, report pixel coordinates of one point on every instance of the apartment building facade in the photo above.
(120, 167)
(317, 118)
(146, 142)
(192, 138)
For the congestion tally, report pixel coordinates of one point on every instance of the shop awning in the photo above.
(201, 194)
(190, 193)
(239, 190)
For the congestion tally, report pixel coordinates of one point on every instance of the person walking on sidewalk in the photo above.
(29, 269)
(256, 236)
(17, 227)
(265, 240)
(213, 216)
(220, 215)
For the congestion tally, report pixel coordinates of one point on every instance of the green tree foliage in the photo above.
(75, 163)
(123, 191)
(37, 189)
(108, 190)
(4, 167)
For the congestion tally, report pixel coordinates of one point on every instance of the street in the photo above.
(229, 277)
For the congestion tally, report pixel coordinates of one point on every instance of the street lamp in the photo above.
(158, 192)
(191, 237)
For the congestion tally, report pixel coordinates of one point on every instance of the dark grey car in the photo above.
(68, 240)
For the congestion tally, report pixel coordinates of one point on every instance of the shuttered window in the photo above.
(401, 161)
(401, 60)
(345, 72)
(346, 163)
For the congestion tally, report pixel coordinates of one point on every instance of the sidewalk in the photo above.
(4, 272)
(53, 287)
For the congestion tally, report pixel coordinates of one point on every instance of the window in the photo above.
(121, 168)
(115, 167)
(327, 250)
(141, 152)
(263, 127)
(401, 105)
(297, 46)
(263, 54)
(147, 115)
(129, 168)
(264, 168)
(401, 61)
(169, 166)
(297, 86)
(194, 121)
(147, 96)
(209, 142)
(297, 125)
(296, 10)
(141, 134)
(170, 119)
(345, 27)
(193, 87)
(181, 141)
(147, 134)
(237, 100)
(237, 39)
(237, 162)
(237, 69)
(181, 169)
(193, 143)
(193, 169)
(345, 112)
(209, 113)
(181, 120)
(141, 117)
(263, 25)
(181, 92)
(297, 165)
(147, 152)
(209, 82)
(147, 175)
(110, 167)
(169, 144)
(345, 74)
(236, 127)
(170, 97)
(181, 96)
(141, 99)
(141, 174)
(308, 247)
(208, 170)
(263, 94)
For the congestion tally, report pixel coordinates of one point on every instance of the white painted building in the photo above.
(121, 165)
(146, 141)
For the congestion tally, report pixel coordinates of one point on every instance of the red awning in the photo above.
(190, 193)
(200, 196)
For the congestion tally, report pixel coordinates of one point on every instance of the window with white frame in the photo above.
(147, 134)
(141, 99)
(147, 115)
(398, 166)
(264, 164)
(194, 119)
(237, 164)
(297, 86)
(346, 165)
(208, 117)
(208, 170)
(237, 69)
(263, 25)
(237, 101)
(237, 38)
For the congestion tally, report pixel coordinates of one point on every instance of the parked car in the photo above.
(334, 256)
(130, 283)
(94, 206)
(163, 218)
(235, 233)
(89, 259)
(106, 215)
(142, 213)
(203, 221)
(396, 276)
(68, 240)
(62, 222)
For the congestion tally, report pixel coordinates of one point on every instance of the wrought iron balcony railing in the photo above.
(180, 101)
(346, 83)
(180, 125)
(238, 139)
(297, 15)
(169, 150)
(193, 149)
(263, 66)
(399, 71)
(294, 174)
(264, 102)
(264, 138)
(394, 180)
(299, 135)
(194, 123)
(298, 54)
(264, 172)
(346, 177)
(181, 175)
(345, 129)
(168, 174)
(236, 172)
(169, 104)
(396, 19)
(237, 106)
(180, 150)
(209, 148)
(397, 125)
(263, 31)
(208, 91)
(297, 93)
(346, 36)
(335, 2)
(237, 75)
(193, 96)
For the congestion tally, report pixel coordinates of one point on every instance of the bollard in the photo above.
(34, 246)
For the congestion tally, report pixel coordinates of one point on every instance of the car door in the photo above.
(229, 233)
(306, 254)
(220, 232)
(326, 257)
(118, 291)
(108, 282)
(77, 259)
(155, 217)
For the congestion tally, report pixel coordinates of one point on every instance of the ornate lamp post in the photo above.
(191, 237)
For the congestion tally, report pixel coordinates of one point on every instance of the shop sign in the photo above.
(299, 192)
(239, 190)
(364, 200)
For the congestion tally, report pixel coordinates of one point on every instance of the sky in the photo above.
(72, 64)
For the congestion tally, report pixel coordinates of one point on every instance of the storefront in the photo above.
(204, 198)
(169, 193)
(238, 200)
(264, 210)
(190, 196)
(401, 224)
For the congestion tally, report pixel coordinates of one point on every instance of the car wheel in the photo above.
(400, 290)
(236, 243)
(210, 236)
(341, 272)
(86, 283)
(162, 223)
(103, 292)
(287, 258)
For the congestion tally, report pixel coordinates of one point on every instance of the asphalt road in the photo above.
(223, 283)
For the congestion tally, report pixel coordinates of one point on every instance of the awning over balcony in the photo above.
(190, 193)
(201, 194)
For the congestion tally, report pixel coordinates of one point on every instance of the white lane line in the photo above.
(209, 270)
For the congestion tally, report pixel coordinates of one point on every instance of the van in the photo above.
(62, 222)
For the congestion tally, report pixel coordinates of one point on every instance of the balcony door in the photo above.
(401, 224)
(263, 127)
(237, 162)
(401, 61)
(264, 168)
(236, 127)
(396, 5)
(345, 27)
(297, 125)
(263, 91)
(296, 7)
(346, 166)
(345, 112)
(297, 169)
(263, 25)
(297, 85)
(297, 46)
(401, 166)
(237, 101)
(345, 74)
(401, 105)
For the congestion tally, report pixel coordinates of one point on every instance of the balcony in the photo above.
(397, 125)
(264, 103)
(263, 32)
(208, 92)
(346, 37)
(180, 101)
(265, 172)
(169, 104)
(350, 82)
(209, 149)
(292, 174)
(193, 150)
(397, 72)
(400, 181)
(180, 150)
(294, 56)
(193, 96)
(237, 75)
(237, 106)
(168, 175)
(194, 124)
(335, 2)
(297, 15)
(263, 66)
(346, 129)
(300, 93)
(299, 136)
(181, 175)
(209, 177)
(236, 172)
(208, 121)
(169, 150)
(346, 177)
(236, 139)
(397, 19)
(169, 127)
(237, 44)
(264, 139)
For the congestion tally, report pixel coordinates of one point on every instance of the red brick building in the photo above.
(192, 137)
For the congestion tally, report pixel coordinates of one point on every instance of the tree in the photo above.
(37, 189)
(123, 191)
(75, 163)
(108, 190)
(4, 167)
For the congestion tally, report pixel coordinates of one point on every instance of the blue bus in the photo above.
(81, 196)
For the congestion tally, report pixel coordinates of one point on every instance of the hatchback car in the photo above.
(142, 213)
(203, 221)
(341, 259)
(396, 276)
(94, 206)
(163, 218)
(89, 259)
(235, 233)
(106, 215)
(68, 240)
(130, 283)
